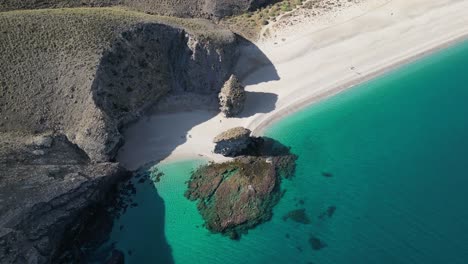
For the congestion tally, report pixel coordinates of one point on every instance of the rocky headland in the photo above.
(72, 80)
(237, 195)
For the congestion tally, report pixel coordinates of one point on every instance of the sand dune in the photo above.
(314, 57)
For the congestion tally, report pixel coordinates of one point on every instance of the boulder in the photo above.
(232, 97)
(234, 142)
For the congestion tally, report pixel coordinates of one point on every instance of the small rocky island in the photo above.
(237, 195)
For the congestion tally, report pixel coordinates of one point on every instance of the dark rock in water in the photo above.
(237, 195)
(327, 174)
(233, 235)
(155, 174)
(299, 216)
(117, 257)
(316, 243)
(328, 213)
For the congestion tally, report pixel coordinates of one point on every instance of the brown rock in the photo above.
(232, 97)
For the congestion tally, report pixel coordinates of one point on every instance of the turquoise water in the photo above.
(397, 151)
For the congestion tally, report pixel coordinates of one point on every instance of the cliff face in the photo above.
(142, 66)
(49, 192)
(79, 76)
(68, 79)
(184, 8)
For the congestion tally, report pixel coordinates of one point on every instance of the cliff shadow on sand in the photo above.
(253, 66)
(168, 123)
(187, 83)
(259, 102)
(86, 92)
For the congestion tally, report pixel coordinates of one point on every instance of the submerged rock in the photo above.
(316, 243)
(232, 97)
(328, 213)
(117, 257)
(299, 216)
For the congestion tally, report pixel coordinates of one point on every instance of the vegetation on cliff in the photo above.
(86, 72)
(251, 22)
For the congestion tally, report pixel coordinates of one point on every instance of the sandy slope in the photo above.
(315, 57)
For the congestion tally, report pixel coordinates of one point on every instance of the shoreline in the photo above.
(301, 104)
(309, 61)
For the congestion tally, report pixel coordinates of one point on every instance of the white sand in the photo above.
(314, 57)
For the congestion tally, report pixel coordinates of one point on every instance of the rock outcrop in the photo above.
(186, 8)
(50, 192)
(237, 195)
(232, 97)
(71, 80)
(235, 142)
(116, 66)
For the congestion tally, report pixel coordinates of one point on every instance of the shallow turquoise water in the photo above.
(397, 149)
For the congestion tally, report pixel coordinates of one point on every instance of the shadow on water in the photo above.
(139, 231)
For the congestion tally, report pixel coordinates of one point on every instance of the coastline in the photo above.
(259, 128)
(326, 58)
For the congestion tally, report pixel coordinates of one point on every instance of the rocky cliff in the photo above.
(184, 8)
(71, 81)
(50, 194)
(87, 80)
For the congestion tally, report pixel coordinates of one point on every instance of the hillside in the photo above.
(72, 79)
(181, 8)
(86, 72)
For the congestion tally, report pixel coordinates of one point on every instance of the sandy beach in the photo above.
(312, 58)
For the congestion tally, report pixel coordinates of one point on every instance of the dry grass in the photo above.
(250, 23)
(49, 60)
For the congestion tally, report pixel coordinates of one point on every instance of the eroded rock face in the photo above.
(48, 198)
(235, 142)
(238, 195)
(66, 92)
(89, 90)
(232, 97)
